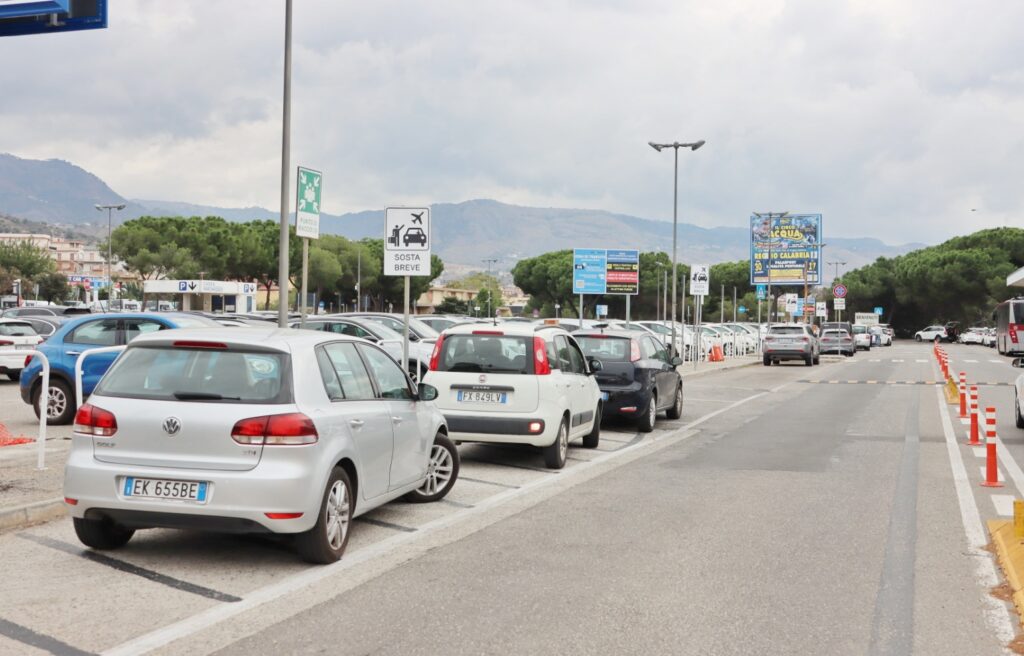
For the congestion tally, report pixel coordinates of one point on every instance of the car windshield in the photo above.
(658, 328)
(193, 322)
(505, 354)
(604, 348)
(859, 330)
(179, 374)
(787, 330)
(834, 334)
(16, 329)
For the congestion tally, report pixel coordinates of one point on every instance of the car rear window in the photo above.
(834, 333)
(606, 349)
(199, 375)
(787, 330)
(12, 329)
(507, 354)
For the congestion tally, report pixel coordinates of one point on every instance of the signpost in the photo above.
(821, 309)
(307, 225)
(700, 286)
(589, 273)
(879, 311)
(622, 275)
(406, 253)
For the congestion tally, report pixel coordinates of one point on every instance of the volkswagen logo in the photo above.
(483, 378)
(172, 425)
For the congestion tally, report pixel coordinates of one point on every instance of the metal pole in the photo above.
(734, 305)
(657, 297)
(627, 311)
(581, 311)
(721, 309)
(282, 258)
(675, 221)
(110, 280)
(305, 275)
(359, 279)
(405, 332)
(664, 298)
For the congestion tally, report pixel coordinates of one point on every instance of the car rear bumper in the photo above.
(512, 429)
(237, 501)
(624, 402)
(801, 353)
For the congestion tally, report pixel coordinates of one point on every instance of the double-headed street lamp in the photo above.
(675, 146)
(110, 211)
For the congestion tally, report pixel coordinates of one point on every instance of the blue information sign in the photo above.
(762, 292)
(589, 271)
(878, 311)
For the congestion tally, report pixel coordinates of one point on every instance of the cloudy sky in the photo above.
(893, 118)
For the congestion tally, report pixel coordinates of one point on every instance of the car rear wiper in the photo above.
(465, 366)
(204, 396)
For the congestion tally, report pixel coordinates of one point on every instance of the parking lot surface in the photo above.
(791, 509)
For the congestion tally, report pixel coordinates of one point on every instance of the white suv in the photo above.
(519, 384)
(930, 333)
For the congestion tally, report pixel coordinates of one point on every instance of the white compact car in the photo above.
(517, 383)
(930, 333)
(256, 430)
(861, 337)
(17, 337)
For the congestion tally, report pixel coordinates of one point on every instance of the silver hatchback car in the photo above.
(260, 430)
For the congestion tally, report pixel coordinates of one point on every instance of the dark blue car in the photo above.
(91, 331)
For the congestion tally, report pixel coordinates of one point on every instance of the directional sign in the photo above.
(589, 271)
(839, 291)
(700, 280)
(182, 285)
(821, 309)
(839, 304)
(762, 292)
(623, 272)
(307, 203)
(407, 241)
(878, 311)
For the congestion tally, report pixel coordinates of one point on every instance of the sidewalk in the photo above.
(29, 496)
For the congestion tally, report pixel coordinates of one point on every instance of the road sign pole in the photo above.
(627, 312)
(286, 121)
(305, 278)
(405, 332)
(581, 311)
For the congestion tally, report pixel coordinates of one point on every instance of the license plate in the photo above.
(785, 341)
(604, 396)
(466, 396)
(153, 488)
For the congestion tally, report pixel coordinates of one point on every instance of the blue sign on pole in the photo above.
(878, 311)
(741, 310)
(51, 16)
(762, 292)
(589, 271)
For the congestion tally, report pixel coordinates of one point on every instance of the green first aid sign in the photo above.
(307, 203)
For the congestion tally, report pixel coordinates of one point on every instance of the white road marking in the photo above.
(999, 474)
(966, 421)
(897, 360)
(1010, 465)
(874, 360)
(920, 361)
(296, 582)
(1003, 504)
(979, 451)
(971, 361)
(997, 361)
(994, 611)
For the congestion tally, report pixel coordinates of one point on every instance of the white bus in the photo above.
(1009, 318)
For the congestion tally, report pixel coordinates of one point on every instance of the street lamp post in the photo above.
(110, 213)
(286, 136)
(657, 292)
(489, 262)
(675, 146)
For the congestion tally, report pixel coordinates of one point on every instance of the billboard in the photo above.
(784, 247)
(589, 270)
(623, 272)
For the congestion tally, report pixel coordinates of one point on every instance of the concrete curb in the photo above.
(1010, 554)
(705, 372)
(31, 513)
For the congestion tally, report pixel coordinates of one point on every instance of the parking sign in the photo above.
(407, 241)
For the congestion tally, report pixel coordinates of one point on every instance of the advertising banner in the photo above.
(623, 272)
(589, 269)
(785, 248)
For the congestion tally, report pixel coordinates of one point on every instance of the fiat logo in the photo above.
(483, 378)
(172, 425)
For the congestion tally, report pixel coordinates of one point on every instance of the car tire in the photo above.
(13, 376)
(101, 534)
(321, 545)
(593, 438)
(817, 359)
(767, 362)
(442, 472)
(1016, 412)
(61, 397)
(676, 411)
(555, 453)
(809, 361)
(918, 338)
(650, 415)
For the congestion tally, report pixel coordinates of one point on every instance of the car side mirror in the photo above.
(595, 365)
(676, 361)
(427, 392)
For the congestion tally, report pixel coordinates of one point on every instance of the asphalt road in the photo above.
(792, 510)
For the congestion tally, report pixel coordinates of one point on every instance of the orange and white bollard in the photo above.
(974, 416)
(991, 468)
(963, 395)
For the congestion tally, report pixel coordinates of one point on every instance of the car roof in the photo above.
(514, 329)
(75, 322)
(624, 334)
(278, 339)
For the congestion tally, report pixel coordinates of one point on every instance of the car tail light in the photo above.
(28, 358)
(536, 427)
(6, 342)
(90, 420)
(634, 351)
(541, 366)
(70, 501)
(1013, 333)
(289, 429)
(283, 515)
(195, 344)
(435, 356)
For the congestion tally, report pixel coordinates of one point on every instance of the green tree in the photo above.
(25, 260)
(53, 287)
(452, 305)
(481, 282)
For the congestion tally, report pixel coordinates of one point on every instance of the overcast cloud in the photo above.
(892, 118)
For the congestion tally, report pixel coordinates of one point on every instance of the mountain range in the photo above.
(59, 194)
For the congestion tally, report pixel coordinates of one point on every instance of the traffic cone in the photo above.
(716, 353)
(974, 416)
(991, 468)
(963, 395)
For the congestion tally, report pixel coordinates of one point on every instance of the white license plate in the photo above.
(466, 396)
(154, 488)
(785, 341)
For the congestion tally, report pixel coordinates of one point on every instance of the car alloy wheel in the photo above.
(336, 515)
(439, 470)
(563, 442)
(56, 403)
(555, 453)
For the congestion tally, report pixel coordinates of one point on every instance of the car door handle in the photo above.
(74, 353)
(356, 423)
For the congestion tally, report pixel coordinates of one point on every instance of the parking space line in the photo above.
(499, 463)
(480, 480)
(979, 451)
(457, 504)
(27, 636)
(128, 568)
(1003, 504)
(379, 522)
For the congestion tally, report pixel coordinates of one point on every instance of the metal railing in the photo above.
(43, 407)
(78, 368)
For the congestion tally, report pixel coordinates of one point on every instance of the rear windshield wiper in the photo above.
(204, 396)
(465, 366)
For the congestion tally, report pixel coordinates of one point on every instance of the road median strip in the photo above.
(1010, 555)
